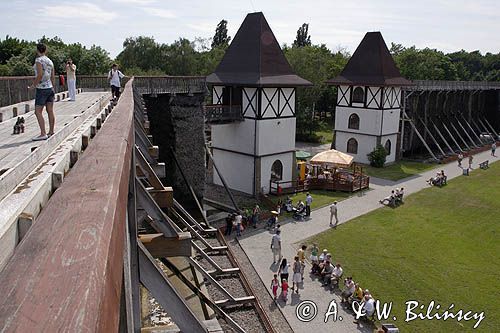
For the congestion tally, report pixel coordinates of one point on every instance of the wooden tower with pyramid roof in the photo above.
(253, 123)
(369, 101)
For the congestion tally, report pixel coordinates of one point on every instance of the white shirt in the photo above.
(276, 241)
(350, 287)
(71, 72)
(309, 200)
(337, 271)
(237, 219)
(369, 306)
(115, 76)
(333, 209)
(47, 68)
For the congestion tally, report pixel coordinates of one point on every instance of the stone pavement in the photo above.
(256, 244)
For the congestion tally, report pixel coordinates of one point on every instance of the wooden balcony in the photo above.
(223, 114)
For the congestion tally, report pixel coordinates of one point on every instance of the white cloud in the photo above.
(135, 2)
(84, 11)
(163, 13)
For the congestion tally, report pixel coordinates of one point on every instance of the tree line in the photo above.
(315, 62)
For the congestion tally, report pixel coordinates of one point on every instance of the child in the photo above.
(284, 289)
(274, 286)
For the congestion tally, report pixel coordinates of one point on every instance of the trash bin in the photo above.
(466, 172)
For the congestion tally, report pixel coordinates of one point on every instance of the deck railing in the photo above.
(221, 114)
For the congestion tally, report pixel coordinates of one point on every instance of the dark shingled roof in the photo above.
(255, 58)
(371, 65)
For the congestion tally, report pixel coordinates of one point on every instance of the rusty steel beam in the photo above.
(66, 275)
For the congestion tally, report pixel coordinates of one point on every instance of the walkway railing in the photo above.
(422, 85)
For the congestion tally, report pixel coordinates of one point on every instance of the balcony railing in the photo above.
(223, 114)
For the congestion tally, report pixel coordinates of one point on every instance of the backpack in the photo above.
(61, 80)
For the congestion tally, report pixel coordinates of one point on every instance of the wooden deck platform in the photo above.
(16, 147)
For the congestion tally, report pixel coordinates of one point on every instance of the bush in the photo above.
(377, 156)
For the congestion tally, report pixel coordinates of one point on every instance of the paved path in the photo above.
(257, 246)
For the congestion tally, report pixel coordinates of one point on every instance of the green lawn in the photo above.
(441, 245)
(399, 170)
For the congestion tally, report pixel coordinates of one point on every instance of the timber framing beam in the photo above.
(160, 246)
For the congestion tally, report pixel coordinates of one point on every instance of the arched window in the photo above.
(277, 170)
(358, 95)
(387, 147)
(352, 146)
(353, 121)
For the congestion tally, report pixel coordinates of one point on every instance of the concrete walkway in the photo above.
(257, 246)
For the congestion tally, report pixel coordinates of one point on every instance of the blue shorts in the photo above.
(44, 96)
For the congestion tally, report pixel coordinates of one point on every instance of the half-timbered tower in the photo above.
(253, 124)
(369, 101)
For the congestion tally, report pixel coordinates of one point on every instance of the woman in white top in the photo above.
(44, 96)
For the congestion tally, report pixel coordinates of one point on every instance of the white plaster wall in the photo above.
(238, 136)
(275, 135)
(273, 96)
(392, 156)
(366, 144)
(369, 120)
(340, 101)
(246, 101)
(237, 170)
(217, 89)
(288, 110)
(267, 163)
(391, 121)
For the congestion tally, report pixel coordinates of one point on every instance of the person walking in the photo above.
(309, 201)
(283, 269)
(284, 289)
(493, 148)
(274, 286)
(460, 157)
(114, 77)
(237, 219)
(470, 161)
(301, 253)
(229, 225)
(333, 213)
(44, 95)
(255, 215)
(71, 78)
(297, 277)
(276, 246)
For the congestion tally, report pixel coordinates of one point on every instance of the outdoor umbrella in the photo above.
(332, 158)
(302, 155)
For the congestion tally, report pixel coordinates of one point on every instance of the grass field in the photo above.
(398, 170)
(441, 245)
(320, 198)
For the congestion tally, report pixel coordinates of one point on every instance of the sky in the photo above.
(447, 25)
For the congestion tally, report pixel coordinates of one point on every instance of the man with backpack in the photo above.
(114, 77)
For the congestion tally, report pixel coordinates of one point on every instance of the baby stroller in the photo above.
(271, 222)
(299, 213)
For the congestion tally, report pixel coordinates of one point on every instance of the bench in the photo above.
(484, 165)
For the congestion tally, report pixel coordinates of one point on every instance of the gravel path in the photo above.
(276, 317)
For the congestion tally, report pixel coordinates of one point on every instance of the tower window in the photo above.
(352, 146)
(387, 147)
(277, 171)
(353, 121)
(358, 95)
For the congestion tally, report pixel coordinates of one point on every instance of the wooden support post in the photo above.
(73, 158)
(14, 112)
(421, 138)
(154, 151)
(433, 138)
(451, 136)
(93, 131)
(85, 141)
(98, 123)
(160, 246)
(57, 179)
(442, 137)
(163, 197)
(26, 108)
(24, 223)
(146, 126)
(458, 133)
(103, 117)
(58, 98)
(1, 117)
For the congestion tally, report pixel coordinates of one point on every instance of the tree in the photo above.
(302, 39)
(221, 38)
